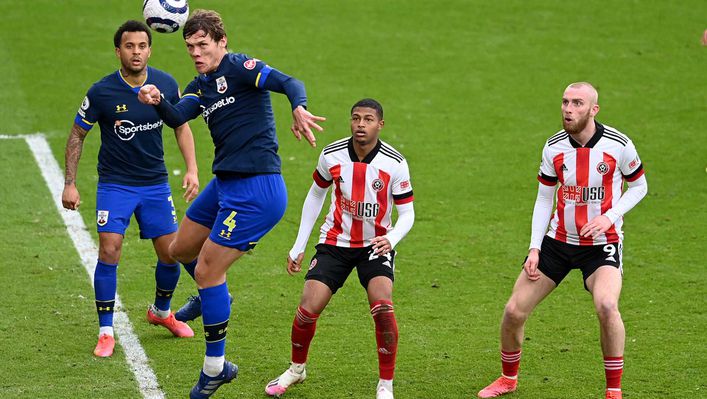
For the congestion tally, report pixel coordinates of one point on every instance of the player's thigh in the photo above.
(249, 208)
(115, 205)
(331, 266)
(189, 240)
(527, 294)
(155, 213)
(605, 286)
(315, 296)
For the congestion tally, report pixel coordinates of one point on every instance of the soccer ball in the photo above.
(165, 16)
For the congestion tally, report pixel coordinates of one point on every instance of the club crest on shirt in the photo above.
(102, 217)
(250, 64)
(602, 168)
(377, 185)
(313, 263)
(221, 85)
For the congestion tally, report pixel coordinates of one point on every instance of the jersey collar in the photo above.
(369, 157)
(134, 88)
(598, 133)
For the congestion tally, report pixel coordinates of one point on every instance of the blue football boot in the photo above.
(206, 386)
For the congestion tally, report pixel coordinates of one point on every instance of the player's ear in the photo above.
(595, 110)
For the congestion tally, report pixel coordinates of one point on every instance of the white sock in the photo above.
(106, 330)
(387, 384)
(297, 368)
(162, 314)
(213, 365)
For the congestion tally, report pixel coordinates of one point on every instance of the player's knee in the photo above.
(607, 309)
(514, 314)
(174, 252)
(109, 253)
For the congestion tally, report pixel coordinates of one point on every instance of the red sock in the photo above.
(613, 368)
(386, 337)
(303, 327)
(510, 361)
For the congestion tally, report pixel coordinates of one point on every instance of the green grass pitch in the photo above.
(471, 89)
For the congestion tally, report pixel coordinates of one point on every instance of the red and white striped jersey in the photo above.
(363, 192)
(591, 181)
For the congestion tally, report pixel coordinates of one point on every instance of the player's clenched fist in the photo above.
(149, 94)
(294, 266)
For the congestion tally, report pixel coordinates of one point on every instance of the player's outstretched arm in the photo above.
(185, 141)
(70, 197)
(302, 124)
(310, 210)
(174, 115)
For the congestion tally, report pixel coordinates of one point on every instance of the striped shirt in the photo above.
(591, 181)
(363, 192)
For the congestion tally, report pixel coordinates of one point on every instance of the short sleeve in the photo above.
(401, 185)
(322, 175)
(171, 90)
(88, 112)
(630, 164)
(192, 91)
(547, 174)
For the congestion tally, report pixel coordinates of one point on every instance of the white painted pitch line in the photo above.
(134, 353)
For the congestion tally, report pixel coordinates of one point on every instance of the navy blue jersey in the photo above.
(234, 100)
(131, 132)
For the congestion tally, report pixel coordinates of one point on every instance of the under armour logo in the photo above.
(121, 108)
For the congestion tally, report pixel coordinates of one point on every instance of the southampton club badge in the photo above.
(221, 85)
(101, 218)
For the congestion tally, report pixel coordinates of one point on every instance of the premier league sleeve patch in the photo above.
(101, 218)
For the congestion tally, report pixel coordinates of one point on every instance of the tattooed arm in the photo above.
(70, 198)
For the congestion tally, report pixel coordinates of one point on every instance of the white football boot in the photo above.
(294, 374)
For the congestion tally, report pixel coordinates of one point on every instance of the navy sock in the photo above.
(189, 267)
(166, 277)
(215, 309)
(105, 280)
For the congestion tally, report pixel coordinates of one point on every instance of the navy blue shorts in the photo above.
(152, 205)
(240, 210)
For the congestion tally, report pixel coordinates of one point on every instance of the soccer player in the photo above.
(247, 197)
(590, 161)
(132, 177)
(367, 177)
